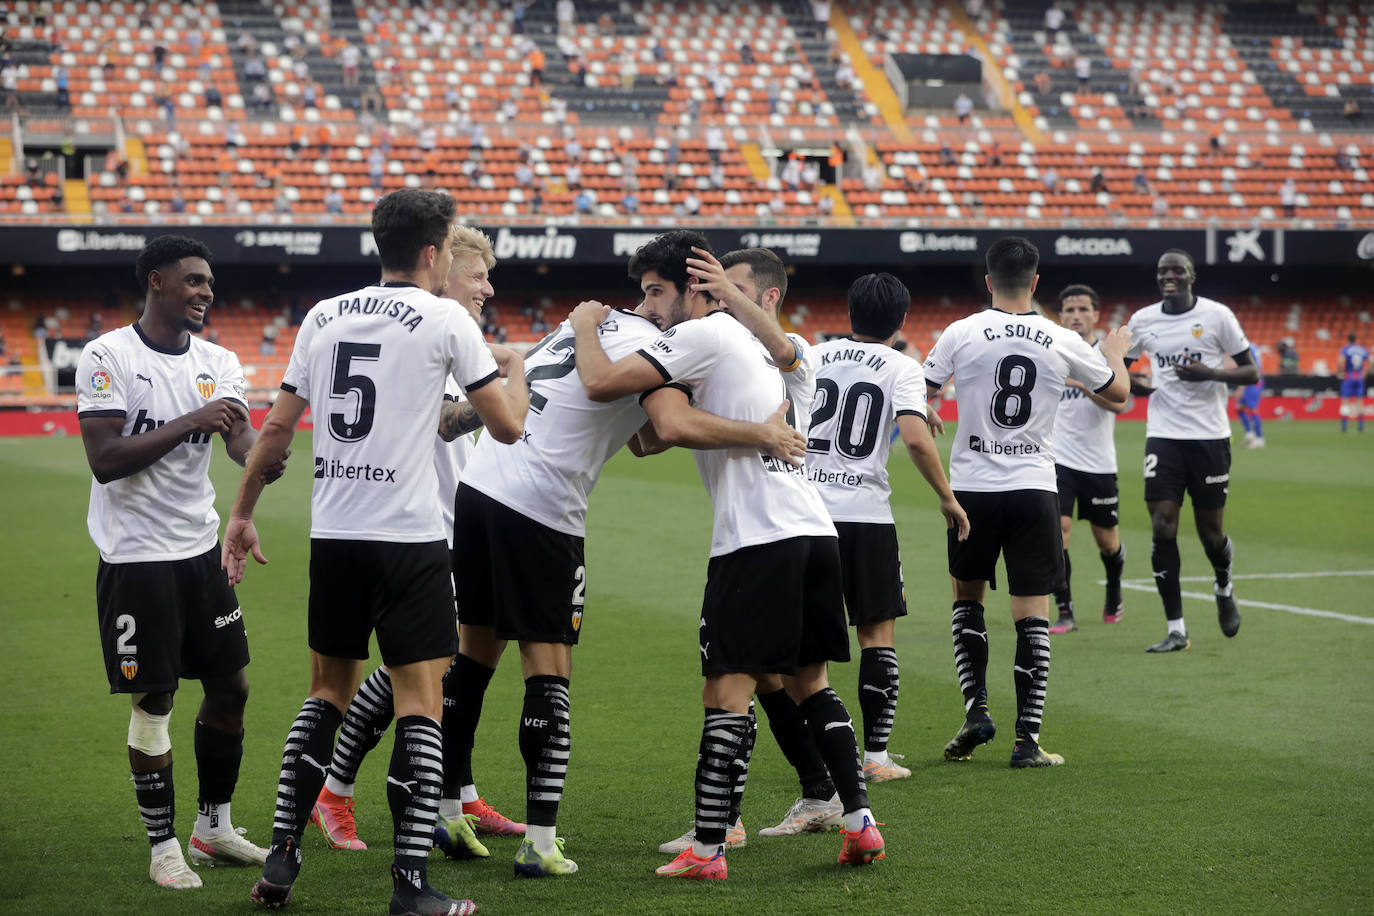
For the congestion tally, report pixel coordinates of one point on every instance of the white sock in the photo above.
(341, 789)
(854, 820)
(876, 756)
(467, 794)
(542, 839)
(1176, 626)
(450, 808)
(166, 846)
(706, 850)
(213, 823)
(1226, 592)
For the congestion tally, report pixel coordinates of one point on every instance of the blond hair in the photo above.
(466, 240)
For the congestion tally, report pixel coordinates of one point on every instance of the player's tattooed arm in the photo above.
(457, 418)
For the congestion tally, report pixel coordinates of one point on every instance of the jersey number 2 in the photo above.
(563, 367)
(851, 440)
(345, 383)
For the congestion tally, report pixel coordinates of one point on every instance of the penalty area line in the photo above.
(1267, 605)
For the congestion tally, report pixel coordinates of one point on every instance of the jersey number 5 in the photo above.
(344, 385)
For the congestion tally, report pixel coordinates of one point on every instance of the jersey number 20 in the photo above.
(851, 440)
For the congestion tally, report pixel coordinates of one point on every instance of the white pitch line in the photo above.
(1278, 575)
(1245, 602)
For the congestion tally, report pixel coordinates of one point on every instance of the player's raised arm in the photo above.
(710, 278)
(1114, 347)
(603, 379)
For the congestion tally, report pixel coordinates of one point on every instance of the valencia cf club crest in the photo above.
(577, 620)
(205, 383)
(128, 667)
(1197, 331)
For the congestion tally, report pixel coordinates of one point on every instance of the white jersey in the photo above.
(1009, 371)
(1209, 332)
(861, 388)
(726, 371)
(800, 383)
(449, 460)
(372, 365)
(1084, 433)
(550, 471)
(167, 510)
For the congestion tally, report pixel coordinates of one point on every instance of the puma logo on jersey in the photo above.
(144, 378)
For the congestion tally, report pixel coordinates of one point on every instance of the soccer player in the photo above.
(1010, 366)
(150, 398)
(1354, 364)
(1085, 465)
(1187, 433)
(520, 525)
(862, 384)
(366, 720)
(1248, 407)
(774, 603)
(372, 362)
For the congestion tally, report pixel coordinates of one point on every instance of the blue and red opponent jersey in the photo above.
(1354, 358)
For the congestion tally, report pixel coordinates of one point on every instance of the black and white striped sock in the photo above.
(156, 803)
(412, 790)
(303, 767)
(367, 719)
(971, 652)
(723, 753)
(1032, 674)
(546, 745)
(879, 682)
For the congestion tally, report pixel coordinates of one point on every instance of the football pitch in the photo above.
(1234, 777)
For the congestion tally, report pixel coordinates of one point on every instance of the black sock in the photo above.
(303, 760)
(218, 755)
(1114, 564)
(1063, 596)
(742, 773)
(971, 653)
(790, 731)
(1164, 559)
(723, 753)
(157, 803)
(879, 682)
(1031, 672)
(367, 719)
(465, 686)
(412, 791)
(545, 743)
(1221, 562)
(833, 732)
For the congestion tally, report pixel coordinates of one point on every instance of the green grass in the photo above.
(1230, 778)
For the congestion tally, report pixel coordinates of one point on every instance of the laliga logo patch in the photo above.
(1197, 330)
(577, 620)
(205, 384)
(102, 386)
(129, 668)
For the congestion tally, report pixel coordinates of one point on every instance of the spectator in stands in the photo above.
(975, 10)
(536, 60)
(282, 204)
(349, 59)
(213, 97)
(1098, 182)
(254, 69)
(691, 204)
(33, 177)
(1141, 181)
(963, 105)
(821, 10)
(584, 201)
(573, 176)
(159, 55)
(810, 173)
(629, 203)
(993, 159)
(1054, 20)
(746, 53)
(1351, 110)
(537, 199)
(1288, 196)
(95, 326)
(715, 176)
(64, 99)
(1042, 82)
(845, 76)
(1159, 207)
(947, 154)
(1344, 160)
(333, 201)
(790, 176)
(1288, 357)
(162, 98)
(825, 206)
(310, 96)
(9, 83)
(1083, 69)
(565, 12)
(178, 202)
(262, 97)
(573, 149)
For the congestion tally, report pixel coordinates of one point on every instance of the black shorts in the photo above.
(1022, 525)
(162, 621)
(1096, 495)
(523, 579)
(1199, 467)
(772, 608)
(872, 567)
(400, 590)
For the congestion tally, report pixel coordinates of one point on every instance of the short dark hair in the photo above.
(1186, 255)
(1350, 337)
(878, 304)
(1012, 262)
(405, 221)
(667, 254)
(766, 268)
(1077, 289)
(167, 249)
